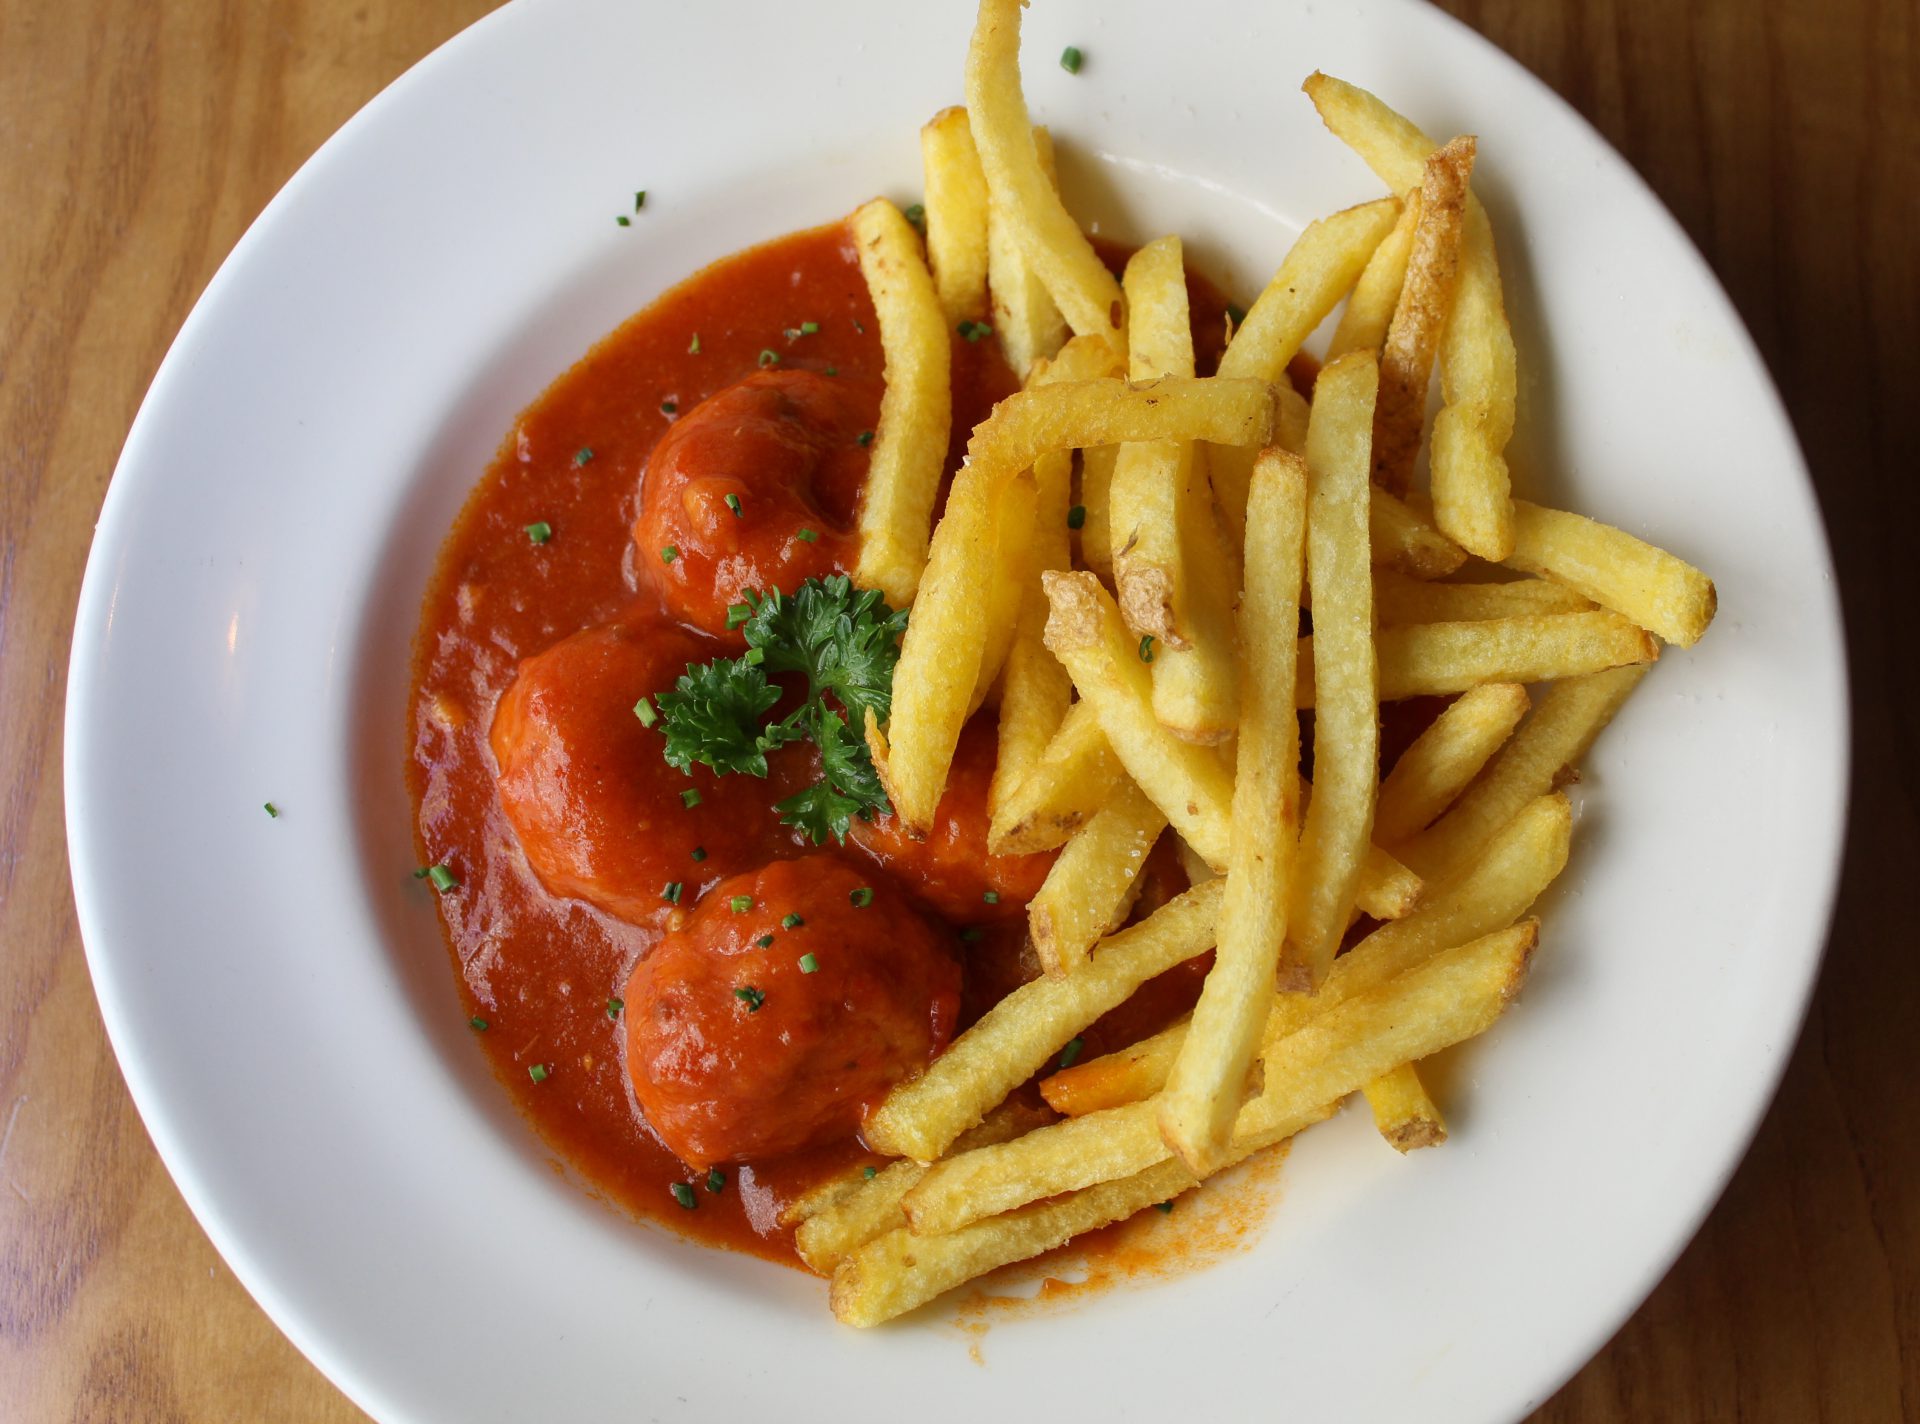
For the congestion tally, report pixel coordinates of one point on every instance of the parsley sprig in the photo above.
(845, 641)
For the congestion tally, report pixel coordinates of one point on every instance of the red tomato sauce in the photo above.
(592, 616)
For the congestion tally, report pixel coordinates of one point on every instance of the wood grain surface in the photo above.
(138, 138)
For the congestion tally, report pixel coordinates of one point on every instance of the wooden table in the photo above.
(138, 138)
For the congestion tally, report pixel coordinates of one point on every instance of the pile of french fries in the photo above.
(1122, 566)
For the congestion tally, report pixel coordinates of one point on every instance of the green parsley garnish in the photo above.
(809, 328)
(765, 941)
(974, 330)
(540, 532)
(643, 709)
(738, 614)
(808, 964)
(846, 641)
(768, 356)
(751, 997)
(1165, 1208)
(683, 1194)
(733, 503)
(639, 200)
(614, 1006)
(690, 798)
(668, 407)
(443, 879)
(1071, 1052)
(869, 1172)
(862, 897)
(477, 1024)
(272, 810)
(699, 853)
(716, 1180)
(740, 904)
(582, 456)
(693, 346)
(807, 536)
(791, 922)
(538, 1072)
(672, 892)
(916, 214)
(992, 897)
(623, 220)
(669, 553)
(1077, 517)
(1146, 649)
(1071, 59)
(865, 437)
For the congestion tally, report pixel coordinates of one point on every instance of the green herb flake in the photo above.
(973, 330)
(971, 934)
(540, 532)
(690, 798)
(733, 503)
(693, 346)
(809, 965)
(833, 370)
(478, 1024)
(539, 1072)
(864, 438)
(716, 1180)
(869, 1172)
(807, 536)
(1237, 315)
(765, 941)
(583, 456)
(672, 891)
(1071, 1053)
(992, 897)
(643, 709)
(740, 904)
(699, 853)
(1071, 59)
(751, 997)
(443, 879)
(1146, 649)
(669, 407)
(639, 200)
(1077, 517)
(768, 357)
(272, 810)
(917, 215)
(791, 922)
(1165, 1208)
(683, 1194)
(669, 553)
(738, 614)
(862, 897)
(809, 328)
(614, 1006)
(623, 220)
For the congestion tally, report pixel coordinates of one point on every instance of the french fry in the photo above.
(1426, 300)
(1018, 185)
(922, 1117)
(1090, 887)
(1363, 325)
(947, 639)
(1521, 860)
(1230, 467)
(1563, 726)
(866, 1207)
(1339, 820)
(910, 442)
(1403, 1112)
(1405, 539)
(823, 1196)
(1204, 1091)
(1096, 501)
(1013, 536)
(1196, 688)
(1026, 322)
(1662, 594)
(1478, 378)
(1399, 599)
(1143, 501)
(1445, 758)
(1034, 689)
(1386, 889)
(1189, 783)
(1453, 996)
(1075, 776)
(1432, 659)
(956, 207)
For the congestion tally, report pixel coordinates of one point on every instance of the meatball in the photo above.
(951, 870)
(598, 811)
(738, 484)
(788, 1004)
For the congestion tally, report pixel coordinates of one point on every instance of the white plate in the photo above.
(277, 990)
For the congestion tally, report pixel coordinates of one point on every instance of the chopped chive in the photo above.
(690, 798)
(865, 437)
(862, 897)
(538, 1072)
(683, 1194)
(808, 328)
(421, 873)
(624, 220)
(716, 1180)
(583, 456)
(1077, 517)
(992, 897)
(791, 922)
(643, 709)
(272, 810)
(916, 214)
(807, 536)
(478, 1024)
(1071, 59)
(751, 997)
(672, 891)
(768, 356)
(540, 532)
(740, 904)
(833, 370)
(765, 941)
(1071, 1053)
(614, 1006)
(974, 330)
(1146, 649)
(442, 878)
(699, 853)
(971, 934)
(858, 327)
(792, 333)
(668, 407)
(738, 613)
(693, 346)
(669, 553)
(639, 200)
(1165, 1208)
(869, 1172)
(808, 964)
(733, 503)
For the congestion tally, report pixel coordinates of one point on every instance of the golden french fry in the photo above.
(1445, 758)
(1403, 1112)
(1426, 300)
(823, 1196)
(1662, 594)
(1230, 467)
(956, 208)
(1346, 742)
(1003, 133)
(1034, 688)
(1403, 538)
(1013, 535)
(1453, 996)
(1478, 378)
(922, 1117)
(1189, 783)
(1096, 499)
(1093, 883)
(910, 442)
(1025, 320)
(1521, 860)
(1196, 689)
(1432, 659)
(1204, 1091)
(1386, 889)
(1075, 776)
(1363, 325)
(1399, 599)
(1563, 726)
